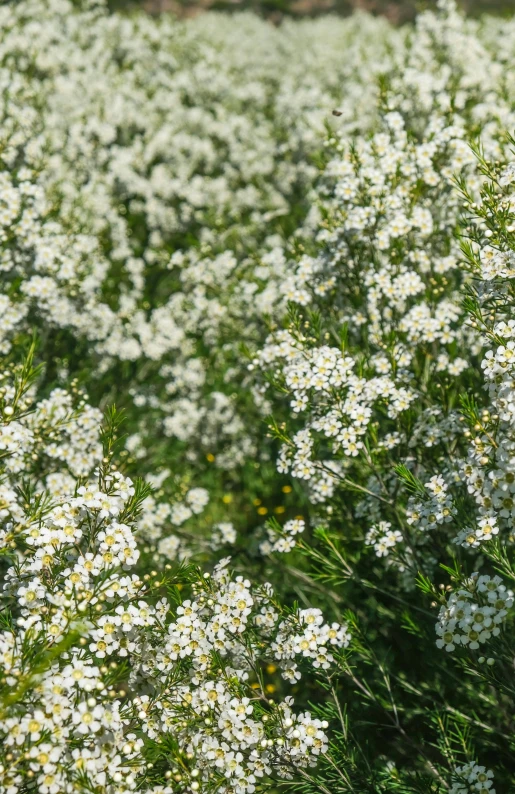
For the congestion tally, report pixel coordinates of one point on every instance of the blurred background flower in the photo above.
(397, 11)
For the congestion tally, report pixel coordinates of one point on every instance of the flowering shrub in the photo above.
(79, 626)
(287, 256)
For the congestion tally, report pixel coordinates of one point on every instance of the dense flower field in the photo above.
(257, 403)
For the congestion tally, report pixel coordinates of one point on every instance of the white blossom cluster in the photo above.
(383, 538)
(341, 403)
(160, 520)
(80, 612)
(473, 614)
(282, 539)
(53, 440)
(435, 510)
(472, 778)
(118, 130)
(122, 138)
(387, 266)
(223, 533)
(305, 634)
(233, 744)
(486, 471)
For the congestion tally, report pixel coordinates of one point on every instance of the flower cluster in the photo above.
(473, 614)
(472, 778)
(383, 538)
(53, 440)
(282, 539)
(84, 625)
(435, 510)
(306, 635)
(340, 402)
